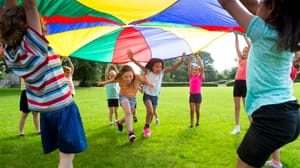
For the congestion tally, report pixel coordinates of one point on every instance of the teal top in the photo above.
(112, 90)
(268, 69)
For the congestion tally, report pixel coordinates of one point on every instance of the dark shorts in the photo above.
(273, 126)
(113, 102)
(195, 98)
(23, 102)
(63, 130)
(153, 99)
(239, 88)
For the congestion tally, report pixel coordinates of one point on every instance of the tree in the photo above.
(87, 72)
(180, 74)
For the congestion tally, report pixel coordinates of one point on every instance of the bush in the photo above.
(175, 84)
(186, 84)
(230, 83)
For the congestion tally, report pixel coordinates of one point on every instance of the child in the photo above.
(240, 89)
(28, 55)
(112, 92)
(196, 74)
(154, 72)
(68, 72)
(275, 162)
(275, 112)
(129, 85)
(25, 111)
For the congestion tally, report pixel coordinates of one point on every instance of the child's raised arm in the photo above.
(32, 15)
(237, 48)
(172, 68)
(130, 56)
(200, 63)
(238, 11)
(189, 65)
(106, 71)
(115, 68)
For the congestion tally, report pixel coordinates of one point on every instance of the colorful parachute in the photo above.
(103, 30)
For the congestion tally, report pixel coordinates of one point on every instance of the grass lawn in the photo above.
(172, 144)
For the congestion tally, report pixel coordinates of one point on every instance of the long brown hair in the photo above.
(13, 26)
(123, 70)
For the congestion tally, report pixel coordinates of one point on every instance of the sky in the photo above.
(223, 51)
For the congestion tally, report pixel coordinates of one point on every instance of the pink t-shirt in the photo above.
(241, 71)
(195, 83)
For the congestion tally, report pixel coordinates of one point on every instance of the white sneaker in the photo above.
(157, 121)
(236, 131)
(270, 164)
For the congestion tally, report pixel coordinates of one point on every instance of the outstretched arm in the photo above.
(130, 56)
(238, 11)
(102, 83)
(32, 15)
(172, 68)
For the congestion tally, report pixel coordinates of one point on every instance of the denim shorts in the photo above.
(63, 130)
(272, 127)
(132, 101)
(153, 99)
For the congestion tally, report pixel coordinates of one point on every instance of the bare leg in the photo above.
(111, 110)
(237, 110)
(276, 156)
(127, 110)
(242, 164)
(116, 113)
(149, 109)
(22, 122)
(197, 113)
(192, 105)
(66, 160)
(36, 121)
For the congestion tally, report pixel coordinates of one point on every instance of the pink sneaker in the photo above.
(147, 132)
(131, 136)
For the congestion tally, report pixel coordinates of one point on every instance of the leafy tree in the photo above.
(87, 72)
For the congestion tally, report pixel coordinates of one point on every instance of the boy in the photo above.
(28, 55)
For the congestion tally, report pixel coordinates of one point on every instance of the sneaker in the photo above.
(111, 123)
(147, 132)
(197, 124)
(157, 121)
(271, 164)
(191, 126)
(120, 126)
(131, 137)
(134, 119)
(236, 131)
(20, 134)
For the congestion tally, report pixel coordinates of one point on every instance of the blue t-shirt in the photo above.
(268, 69)
(112, 90)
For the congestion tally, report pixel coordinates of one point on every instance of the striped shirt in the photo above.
(40, 67)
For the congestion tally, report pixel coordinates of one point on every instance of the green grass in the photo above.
(171, 145)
